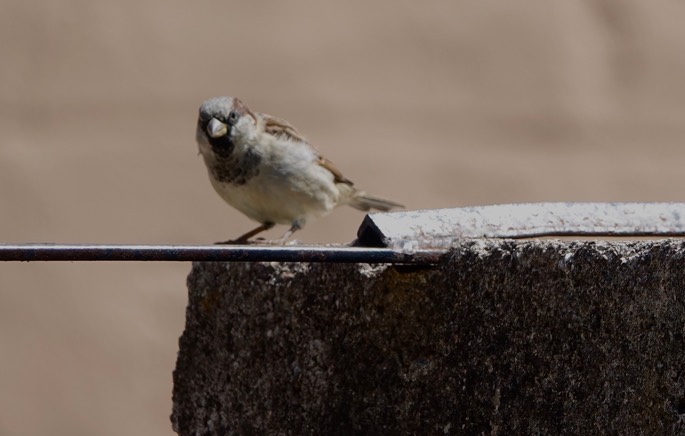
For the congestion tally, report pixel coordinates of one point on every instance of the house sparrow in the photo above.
(263, 167)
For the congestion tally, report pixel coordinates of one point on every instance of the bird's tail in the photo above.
(365, 203)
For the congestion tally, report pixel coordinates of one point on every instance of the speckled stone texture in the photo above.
(503, 337)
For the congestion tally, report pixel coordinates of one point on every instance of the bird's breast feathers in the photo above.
(287, 184)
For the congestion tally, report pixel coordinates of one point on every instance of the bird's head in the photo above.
(221, 122)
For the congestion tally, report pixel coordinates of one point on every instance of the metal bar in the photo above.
(440, 228)
(234, 253)
(413, 237)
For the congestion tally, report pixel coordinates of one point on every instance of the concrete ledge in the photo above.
(503, 337)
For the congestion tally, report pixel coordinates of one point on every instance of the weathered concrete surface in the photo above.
(503, 337)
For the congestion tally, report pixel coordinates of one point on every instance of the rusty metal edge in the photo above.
(233, 253)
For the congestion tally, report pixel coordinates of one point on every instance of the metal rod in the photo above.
(234, 253)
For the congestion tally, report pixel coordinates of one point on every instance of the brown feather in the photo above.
(337, 175)
(278, 127)
(366, 202)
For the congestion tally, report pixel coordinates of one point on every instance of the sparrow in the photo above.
(262, 166)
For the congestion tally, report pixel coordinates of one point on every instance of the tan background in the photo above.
(433, 104)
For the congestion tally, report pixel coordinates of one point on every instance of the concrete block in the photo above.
(501, 337)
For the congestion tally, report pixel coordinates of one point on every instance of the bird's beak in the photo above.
(216, 129)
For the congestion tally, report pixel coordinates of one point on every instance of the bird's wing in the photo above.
(337, 175)
(279, 127)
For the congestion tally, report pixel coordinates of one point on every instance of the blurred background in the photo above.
(435, 104)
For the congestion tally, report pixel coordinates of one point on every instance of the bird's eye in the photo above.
(233, 116)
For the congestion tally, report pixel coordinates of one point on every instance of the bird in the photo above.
(263, 167)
